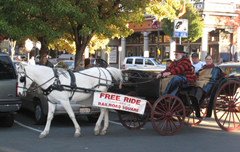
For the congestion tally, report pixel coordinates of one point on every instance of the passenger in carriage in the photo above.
(196, 63)
(205, 78)
(178, 74)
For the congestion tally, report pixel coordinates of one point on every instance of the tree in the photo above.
(30, 19)
(195, 24)
(79, 19)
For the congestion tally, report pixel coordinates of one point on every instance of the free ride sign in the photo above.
(119, 102)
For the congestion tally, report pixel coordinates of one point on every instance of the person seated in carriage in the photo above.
(205, 79)
(178, 74)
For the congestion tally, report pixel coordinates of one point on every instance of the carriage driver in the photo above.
(178, 74)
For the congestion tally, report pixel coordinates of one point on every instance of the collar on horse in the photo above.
(57, 84)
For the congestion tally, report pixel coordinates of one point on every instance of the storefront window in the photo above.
(213, 36)
(166, 39)
(141, 39)
(224, 37)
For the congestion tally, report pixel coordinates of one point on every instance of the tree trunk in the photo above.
(81, 44)
(44, 46)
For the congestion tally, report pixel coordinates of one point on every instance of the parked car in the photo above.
(65, 64)
(36, 102)
(65, 57)
(142, 63)
(230, 67)
(99, 62)
(9, 99)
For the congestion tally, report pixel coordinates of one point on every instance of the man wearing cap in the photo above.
(179, 73)
(196, 63)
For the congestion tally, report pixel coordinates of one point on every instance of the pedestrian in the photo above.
(196, 62)
(168, 63)
(179, 73)
(87, 63)
(31, 61)
(44, 61)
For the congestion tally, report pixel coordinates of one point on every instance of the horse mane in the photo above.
(116, 74)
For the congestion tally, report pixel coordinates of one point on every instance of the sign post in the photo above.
(180, 28)
(233, 50)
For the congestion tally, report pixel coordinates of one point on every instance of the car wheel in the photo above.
(93, 118)
(7, 121)
(39, 116)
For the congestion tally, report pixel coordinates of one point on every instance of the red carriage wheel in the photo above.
(133, 121)
(191, 119)
(227, 106)
(168, 114)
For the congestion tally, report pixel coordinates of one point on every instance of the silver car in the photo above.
(230, 67)
(36, 102)
(143, 64)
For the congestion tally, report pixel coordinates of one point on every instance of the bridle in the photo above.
(23, 79)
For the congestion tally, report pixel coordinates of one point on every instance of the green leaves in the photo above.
(195, 24)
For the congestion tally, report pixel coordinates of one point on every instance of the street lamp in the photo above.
(119, 50)
(38, 45)
(12, 44)
(28, 46)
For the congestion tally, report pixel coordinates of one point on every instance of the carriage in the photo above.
(168, 113)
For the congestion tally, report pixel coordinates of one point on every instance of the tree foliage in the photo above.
(80, 21)
(195, 24)
(161, 9)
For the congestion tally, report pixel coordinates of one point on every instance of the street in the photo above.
(23, 137)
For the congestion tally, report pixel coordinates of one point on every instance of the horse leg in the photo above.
(106, 123)
(98, 124)
(51, 110)
(68, 108)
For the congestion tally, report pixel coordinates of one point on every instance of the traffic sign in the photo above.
(180, 28)
(180, 34)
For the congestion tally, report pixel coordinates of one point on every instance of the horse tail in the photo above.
(116, 74)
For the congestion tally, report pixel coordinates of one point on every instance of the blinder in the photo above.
(23, 79)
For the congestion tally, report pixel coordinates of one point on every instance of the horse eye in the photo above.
(22, 79)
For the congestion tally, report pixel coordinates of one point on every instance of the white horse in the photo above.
(89, 80)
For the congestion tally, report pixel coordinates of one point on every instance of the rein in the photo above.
(57, 86)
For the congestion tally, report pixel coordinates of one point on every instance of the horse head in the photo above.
(24, 81)
(116, 74)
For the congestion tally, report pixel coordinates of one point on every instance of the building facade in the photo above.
(221, 35)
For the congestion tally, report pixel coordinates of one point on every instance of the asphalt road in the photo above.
(23, 137)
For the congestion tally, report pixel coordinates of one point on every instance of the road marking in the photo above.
(20, 124)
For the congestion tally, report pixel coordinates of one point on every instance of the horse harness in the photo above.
(73, 86)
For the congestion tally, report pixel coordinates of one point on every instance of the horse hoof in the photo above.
(103, 132)
(77, 135)
(96, 132)
(42, 136)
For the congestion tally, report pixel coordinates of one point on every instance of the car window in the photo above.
(6, 69)
(230, 70)
(129, 61)
(156, 61)
(148, 62)
(139, 61)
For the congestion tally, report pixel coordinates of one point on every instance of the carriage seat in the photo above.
(206, 80)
